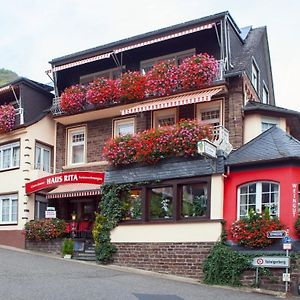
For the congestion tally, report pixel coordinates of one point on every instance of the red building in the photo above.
(264, 173)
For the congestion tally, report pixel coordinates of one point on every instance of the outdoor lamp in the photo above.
(73, 215)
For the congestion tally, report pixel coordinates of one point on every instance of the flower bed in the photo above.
(152, 145)
(165, 78)
(7, 118)
(44, 229)
(252, 231)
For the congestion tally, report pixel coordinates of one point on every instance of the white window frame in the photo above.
(146, 65)
(43, 149)
(255, 71)
(12, 198)
(164, 113)
(10, 147)
(210, 106)
(265, 94)
(118, 122)
(258, 196)
(71, 132)
(109, 74)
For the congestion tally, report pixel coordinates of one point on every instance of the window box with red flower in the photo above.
(73, 99)
(7, 118)
(133, 86)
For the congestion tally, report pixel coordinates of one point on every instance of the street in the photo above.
(30, 276)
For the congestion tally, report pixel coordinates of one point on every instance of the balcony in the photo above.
(134, 87)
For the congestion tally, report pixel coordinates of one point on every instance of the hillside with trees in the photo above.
(7, 76)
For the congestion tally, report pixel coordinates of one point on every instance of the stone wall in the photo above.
(52, 246)
(182, 259)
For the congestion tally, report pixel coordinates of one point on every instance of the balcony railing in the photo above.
(221, 139)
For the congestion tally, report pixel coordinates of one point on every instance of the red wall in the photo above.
(285, 176)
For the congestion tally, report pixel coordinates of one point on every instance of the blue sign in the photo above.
(287, 240)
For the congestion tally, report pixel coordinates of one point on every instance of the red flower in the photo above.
(7, 118)
(72, 99)
(103, 92)
(133, 86)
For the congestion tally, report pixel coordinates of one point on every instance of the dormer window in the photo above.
(255, 76)
(265, 95)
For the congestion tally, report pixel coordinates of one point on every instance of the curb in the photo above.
(150, 273)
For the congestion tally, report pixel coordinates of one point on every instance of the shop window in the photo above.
(258, 196)
(133, 205)
(124, 126)
(41, 204)
(10, 156)
(164, 117)
(210, 113)
(8, 209)
(178, 57)
(76, 145)
(160, 203)
(194, 200)
(42, 158)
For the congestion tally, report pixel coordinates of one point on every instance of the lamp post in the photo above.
(73, 224)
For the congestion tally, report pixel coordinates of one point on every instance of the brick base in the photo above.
(13, 238)
(182, 259)
(52, 246)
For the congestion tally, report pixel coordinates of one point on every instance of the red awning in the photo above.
(133, 46)
(173, 101)
(74, 190)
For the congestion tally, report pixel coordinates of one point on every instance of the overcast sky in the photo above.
(32, 32)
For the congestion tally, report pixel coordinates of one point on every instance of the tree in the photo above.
(7, 76)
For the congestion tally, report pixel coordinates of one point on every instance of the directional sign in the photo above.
(271, 262)
(276, 234)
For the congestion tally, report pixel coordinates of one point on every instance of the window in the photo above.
(194, 200)
(133, 205)
(265, 94)
(9, 209)
(124, 126)
(41, 204)
(42, 158)
(258, 196)
(210, 113)
(146, 65)
(160, 203)
(268, 123)
(76, 145)
(255, 75)
(109, 74)
(164, 117)
(10, 156)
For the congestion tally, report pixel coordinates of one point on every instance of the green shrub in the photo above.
(224, 266)
(297, 226)
(67, 247)
(44, 229)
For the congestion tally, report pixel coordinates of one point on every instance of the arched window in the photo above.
(258, 196)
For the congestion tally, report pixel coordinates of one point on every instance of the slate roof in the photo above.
(254, 106)
(242, 60)
(272, 145)
(110, 46)
(166, 169)
(32, 83)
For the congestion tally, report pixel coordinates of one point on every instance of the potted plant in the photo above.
(133, 86)
(67, 248)
(197, 70)
(72, 99)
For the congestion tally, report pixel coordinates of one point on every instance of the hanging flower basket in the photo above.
(7, 118)
(162, 79)
(102, 92)
(72, 99)
(198, 70)
(133, 86)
